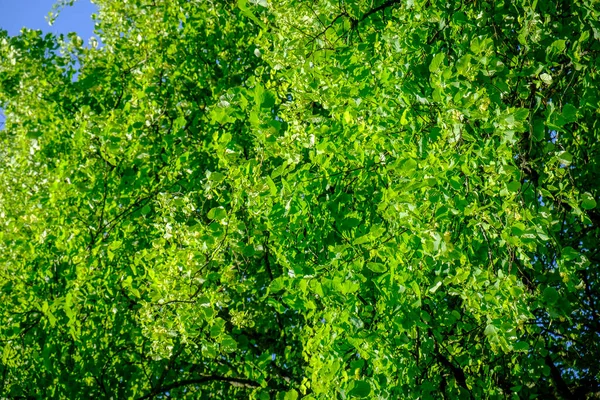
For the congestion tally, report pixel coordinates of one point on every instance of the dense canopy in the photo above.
(303, 199)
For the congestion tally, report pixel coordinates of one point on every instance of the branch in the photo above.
(240, 382)
(457, 372)
(561, 385)
(372, 11)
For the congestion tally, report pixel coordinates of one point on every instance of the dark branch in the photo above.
(198, 381)
(561, 385)
(383, 6)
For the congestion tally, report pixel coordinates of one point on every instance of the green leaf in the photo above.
(565, 158)
(546, 78)
(435, 287)
(217, 177)
(409, 166)
(521, 114)
(291, 395)
(272, 187)
(557, 47)
(34, 134)
(362, 239)
(569, 253)
(587, 201)
(243, 6)
(514, 186)
(360, 390)
(518, 229)
(403, 118)
(277, 284)
(436, 62)
(349, 223)
(490, 331)
(229, 344)
(569, 113)
(550, 295)
(217, 213)
(521, 346)
(377, 267)
(218, 328)
(415, 287)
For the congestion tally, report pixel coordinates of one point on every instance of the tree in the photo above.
(285, 199)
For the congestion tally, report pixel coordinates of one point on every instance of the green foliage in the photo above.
(290, 199)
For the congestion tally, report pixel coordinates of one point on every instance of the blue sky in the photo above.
(15, 14)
